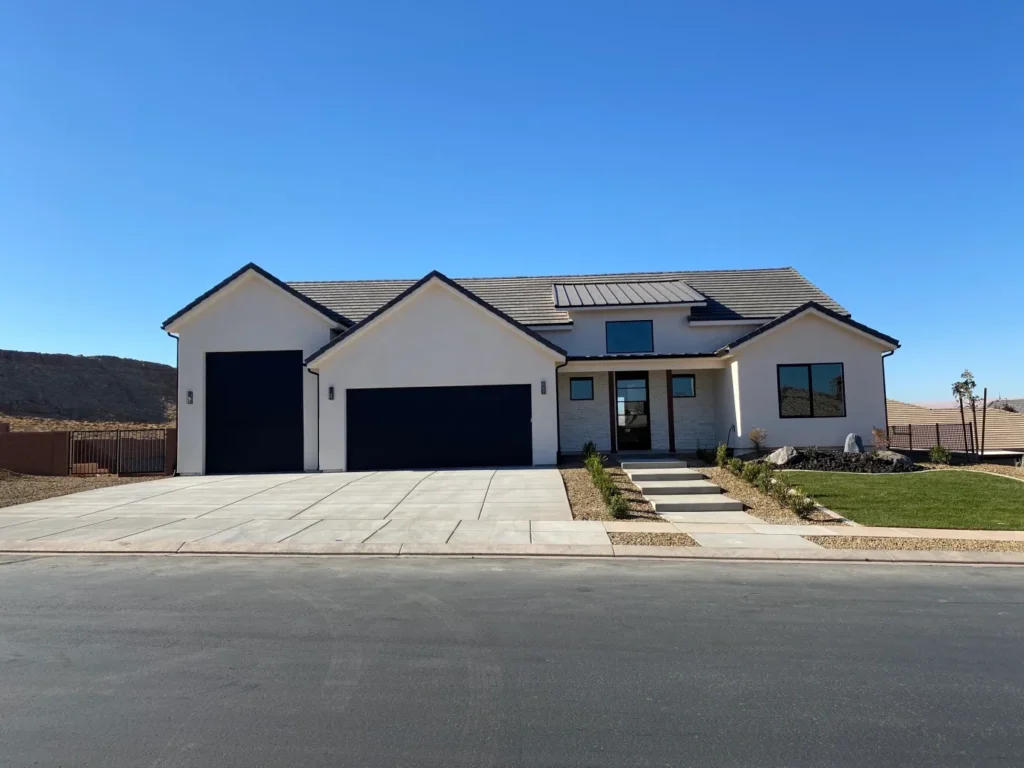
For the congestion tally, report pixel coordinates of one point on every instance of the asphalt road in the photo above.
(225, 662)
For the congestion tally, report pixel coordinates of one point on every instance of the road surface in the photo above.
(176, 661)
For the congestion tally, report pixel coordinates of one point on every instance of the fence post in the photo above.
(938, 436)
(910, 437)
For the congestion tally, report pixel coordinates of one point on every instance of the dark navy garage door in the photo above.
(254, 412)
(434, 427)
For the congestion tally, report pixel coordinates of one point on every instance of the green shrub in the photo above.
(735, 466)
(721, 454)
(594, 464)
(940, 455)
(589, 449)
(799, 503)
(618, 506)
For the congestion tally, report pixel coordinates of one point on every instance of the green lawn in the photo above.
(943, 499)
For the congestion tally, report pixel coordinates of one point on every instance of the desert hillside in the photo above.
(44, 391)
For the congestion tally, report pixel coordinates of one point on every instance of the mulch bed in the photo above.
(16, 488)
(884, 542)
(586, 502)
(652, 539)
(758, 504)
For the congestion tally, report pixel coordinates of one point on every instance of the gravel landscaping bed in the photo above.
(586, 502)
(995, 469)
(652, 539)
(16, 488)
(883, 542)
(759, 505)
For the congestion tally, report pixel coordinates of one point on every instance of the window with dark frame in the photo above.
(812, 391)
(581, 389)
(629, 336)
(684, 385)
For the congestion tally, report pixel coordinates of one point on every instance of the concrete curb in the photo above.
(528, 550)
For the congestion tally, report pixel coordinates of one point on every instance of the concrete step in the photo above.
(677, 473)
(654, 488)
(696, 503)
(653, 464)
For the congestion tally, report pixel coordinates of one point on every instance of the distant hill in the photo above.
(102, 389)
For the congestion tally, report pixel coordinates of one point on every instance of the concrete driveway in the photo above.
(381, 509)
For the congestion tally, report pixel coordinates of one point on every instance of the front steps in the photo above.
(671, 487)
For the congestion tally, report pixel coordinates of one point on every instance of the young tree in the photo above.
(964, 391)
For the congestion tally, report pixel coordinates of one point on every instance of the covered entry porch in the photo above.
(671, 404)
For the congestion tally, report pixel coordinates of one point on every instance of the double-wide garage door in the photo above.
(434, 427)
(254, 411)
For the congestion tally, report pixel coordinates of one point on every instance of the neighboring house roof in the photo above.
(756, 294)
(809, 306)
(624, 294)
(250, 267)
(435, 275)
(1003, 431)
(1017, 403)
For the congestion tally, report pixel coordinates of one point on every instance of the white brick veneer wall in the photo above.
(657, 395)
(695, 416)
(583, 420)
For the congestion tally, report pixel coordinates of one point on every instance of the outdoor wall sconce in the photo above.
(188, 397)
(543, 386)
(330, 393)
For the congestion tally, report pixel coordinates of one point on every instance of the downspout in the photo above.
(310, 370)
(558, 417)
(885, 394)
(177, 394)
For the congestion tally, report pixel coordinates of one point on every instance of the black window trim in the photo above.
(684, 376)
(650, 324)
(581, 378)
(810, 388)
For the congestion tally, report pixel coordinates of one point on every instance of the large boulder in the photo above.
(895, 458)
(782, 456)
(853, 444)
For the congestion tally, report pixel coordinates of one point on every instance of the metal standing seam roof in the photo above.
(624, 294)
(754, 294)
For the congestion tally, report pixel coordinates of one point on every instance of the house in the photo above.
(386, 374)
(1003, 430)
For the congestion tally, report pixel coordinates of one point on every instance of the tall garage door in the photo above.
(433, 427)
(254, 412)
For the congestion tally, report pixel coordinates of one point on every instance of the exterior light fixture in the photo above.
(188, 397)
(543, 386)
(330, 393)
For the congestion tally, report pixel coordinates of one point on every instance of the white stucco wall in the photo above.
(583, 420)
(810, 339)
(695, 417)
(672, 331)
(250, 315)
(436, 337)
(727, 404)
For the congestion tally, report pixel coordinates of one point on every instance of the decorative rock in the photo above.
(782, 456)
(853, 444)
(895, 458)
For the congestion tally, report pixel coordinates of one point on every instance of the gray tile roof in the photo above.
(731, 294)
(624, 293)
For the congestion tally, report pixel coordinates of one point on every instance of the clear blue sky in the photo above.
(149, 149)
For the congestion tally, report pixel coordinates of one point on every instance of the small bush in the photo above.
(940, 455)
(880, 438)
(721, 454)
(735, 466)
(618, 506)
(757, 438)
(800, 504)
(589, 449)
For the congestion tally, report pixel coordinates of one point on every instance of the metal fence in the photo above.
(922, 437)
(117, 451)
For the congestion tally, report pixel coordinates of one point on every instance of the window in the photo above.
(629, 336)
(812, 391)
(683, 385)
(581, 389)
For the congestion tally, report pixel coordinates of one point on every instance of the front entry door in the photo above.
(632, 407)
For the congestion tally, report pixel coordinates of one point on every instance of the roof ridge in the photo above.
(564, 276)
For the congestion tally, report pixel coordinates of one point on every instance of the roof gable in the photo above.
(810, 306)
(412, 289)
(251, 268)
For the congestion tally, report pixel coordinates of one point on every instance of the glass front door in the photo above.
(633, 412)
